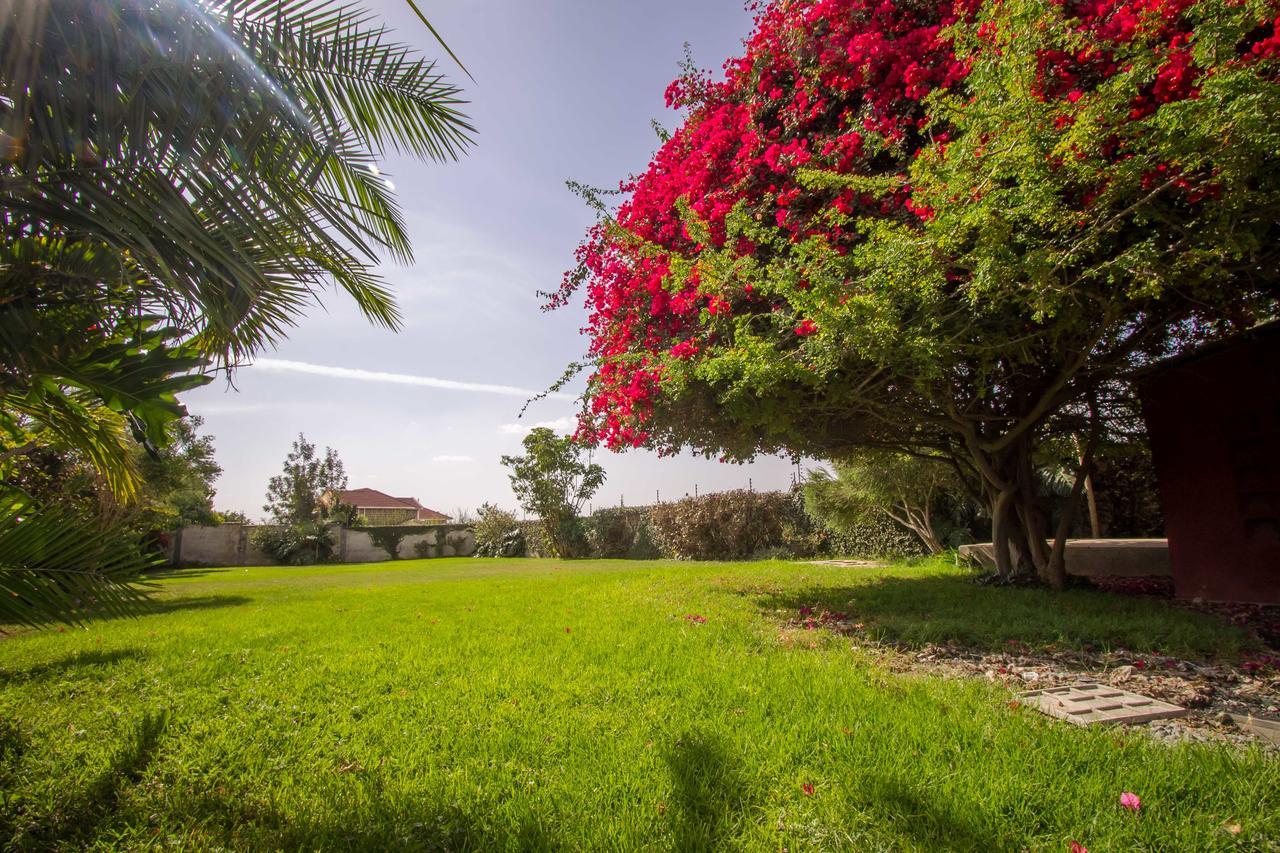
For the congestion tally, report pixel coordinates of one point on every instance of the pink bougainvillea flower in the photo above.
(806, 328)
(1077, 847)
(695, 619)
(1130, 801)
(807, 787)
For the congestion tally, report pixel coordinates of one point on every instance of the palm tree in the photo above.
(221, 156)
(179, 180)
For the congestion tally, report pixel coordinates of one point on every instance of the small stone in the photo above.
(1030, 676)
(1121, 674)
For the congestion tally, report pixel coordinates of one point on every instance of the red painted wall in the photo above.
(1214, 425)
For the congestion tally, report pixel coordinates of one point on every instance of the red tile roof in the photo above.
(374, 499)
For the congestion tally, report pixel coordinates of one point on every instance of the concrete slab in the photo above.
(1097, 558)
(1269, 729)
(1087, 703)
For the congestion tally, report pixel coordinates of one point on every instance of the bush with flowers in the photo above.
(950, 228)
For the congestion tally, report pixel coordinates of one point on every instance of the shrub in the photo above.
(498, 533)
(612, 533)
(724, 525)
(301, 544)
(536, 541)
(875, 538)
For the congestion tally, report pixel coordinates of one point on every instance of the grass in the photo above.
(455, 704)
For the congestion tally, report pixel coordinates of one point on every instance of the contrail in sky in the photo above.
(279, 365)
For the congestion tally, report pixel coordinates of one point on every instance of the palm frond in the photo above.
(227, 150)
(57, 567)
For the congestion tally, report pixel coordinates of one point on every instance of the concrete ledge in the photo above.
(1098, 558)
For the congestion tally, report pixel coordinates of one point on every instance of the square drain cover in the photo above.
(1098, 703)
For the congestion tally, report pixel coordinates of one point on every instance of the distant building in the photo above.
(378, 509)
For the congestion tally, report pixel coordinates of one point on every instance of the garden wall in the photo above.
(232, 544)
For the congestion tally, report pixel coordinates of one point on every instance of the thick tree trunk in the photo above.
(1019, 526)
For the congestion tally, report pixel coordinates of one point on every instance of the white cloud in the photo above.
(447, 458)
(565, 424)
(279, 365)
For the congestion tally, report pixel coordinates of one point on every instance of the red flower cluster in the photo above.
(831, 85)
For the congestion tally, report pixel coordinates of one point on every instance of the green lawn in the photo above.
(517, 704)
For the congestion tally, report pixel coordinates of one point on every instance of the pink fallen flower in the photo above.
(1130, 801)
(807, 787)
(1077, 847)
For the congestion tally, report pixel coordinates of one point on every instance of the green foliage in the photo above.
(232, 148)
(57, 566)
(497, 533)
(91, 390)
(178, 479)
(553, 480)
(621, 533)
(304, 492)
(723, 525)
(175, 480)
(877, 537)
(906, 489)
(300, 543)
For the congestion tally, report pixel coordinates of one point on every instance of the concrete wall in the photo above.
(232, 544)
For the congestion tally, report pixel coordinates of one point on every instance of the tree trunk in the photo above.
(1086, 465)
(1019, 528)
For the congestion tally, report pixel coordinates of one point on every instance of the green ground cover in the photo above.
(531, 703)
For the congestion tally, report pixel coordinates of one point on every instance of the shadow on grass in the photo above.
(711, 791)
(77, 820)
(55, 667)
(377, 823)
(926, 820)
(915, 611)
(180, 572)
(154, 606)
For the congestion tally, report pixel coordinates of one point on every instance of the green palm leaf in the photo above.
(226, 149)
(58, 567)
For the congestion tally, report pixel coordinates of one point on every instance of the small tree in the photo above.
(178, 478)
(295, 496)
(906, 489)
(552, 480)
(296, 502)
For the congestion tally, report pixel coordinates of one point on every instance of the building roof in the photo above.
(374, 499)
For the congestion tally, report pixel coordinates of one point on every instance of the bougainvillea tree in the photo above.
(940, 228)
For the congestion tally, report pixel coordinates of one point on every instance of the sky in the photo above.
(564, 89)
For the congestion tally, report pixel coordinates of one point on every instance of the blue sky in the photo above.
(563, 89)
